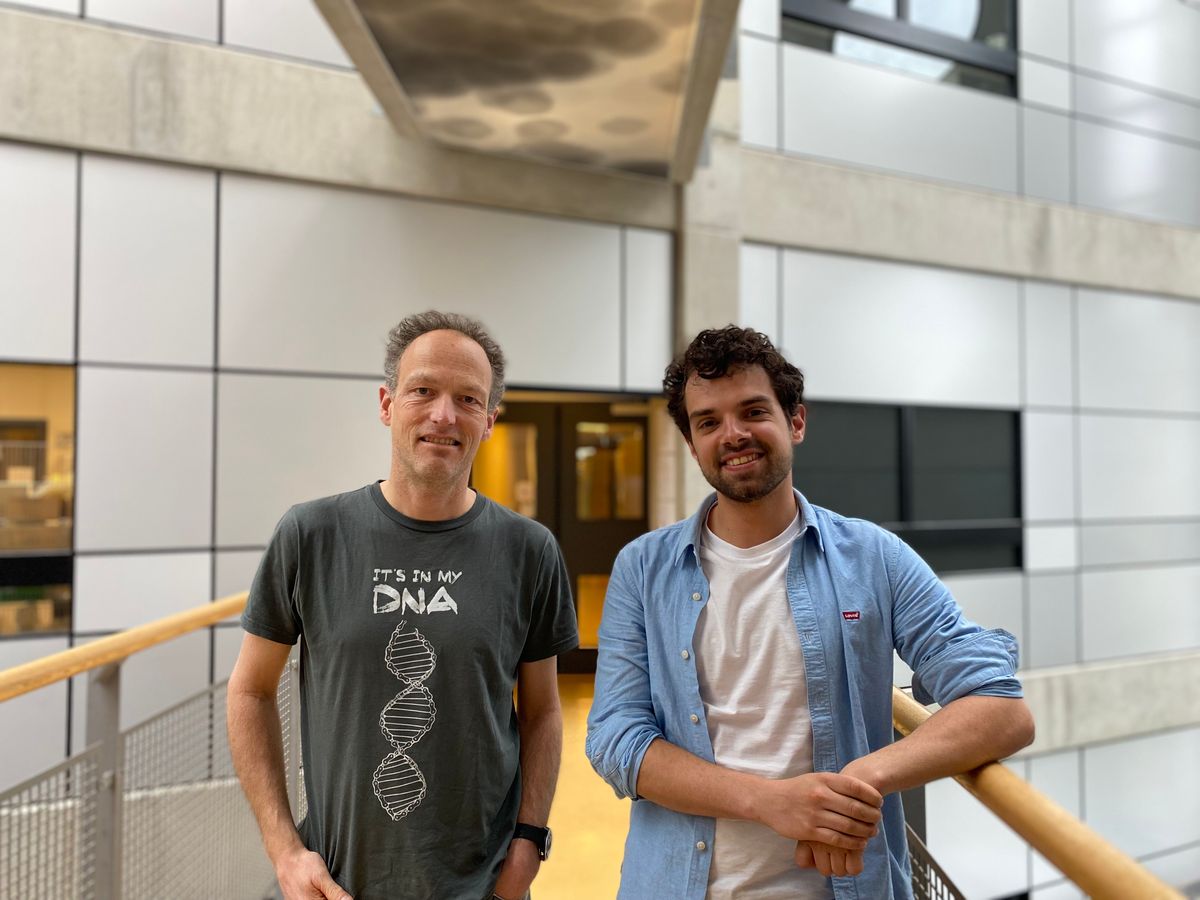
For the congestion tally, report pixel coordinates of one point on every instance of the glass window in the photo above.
(965, 42)
(506, 467)
(610, 471)
(946, 480)
(37, 464)
(964, 464)
(848, 460)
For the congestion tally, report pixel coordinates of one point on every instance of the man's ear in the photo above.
(797, 422)
(385, 405)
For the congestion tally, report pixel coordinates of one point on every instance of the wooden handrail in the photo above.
(1095, 865)
(59, 666)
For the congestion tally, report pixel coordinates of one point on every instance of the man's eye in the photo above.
(758, 412)
(470, 401)
(421, 391)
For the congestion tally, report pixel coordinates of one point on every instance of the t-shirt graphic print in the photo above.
(398, 783)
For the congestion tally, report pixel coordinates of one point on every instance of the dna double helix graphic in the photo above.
(398, 783)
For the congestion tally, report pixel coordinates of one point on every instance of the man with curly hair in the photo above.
(743, 686)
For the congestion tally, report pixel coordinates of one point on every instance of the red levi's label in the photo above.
(852, 616)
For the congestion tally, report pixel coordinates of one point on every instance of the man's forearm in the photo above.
(672, 777)
(256, 745)
(541, 753)
(959, 737)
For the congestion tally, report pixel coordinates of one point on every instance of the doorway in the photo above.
(580, 468)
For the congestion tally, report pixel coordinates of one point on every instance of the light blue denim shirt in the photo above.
(856, 592)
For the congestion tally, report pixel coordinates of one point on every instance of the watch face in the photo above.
(546, 850)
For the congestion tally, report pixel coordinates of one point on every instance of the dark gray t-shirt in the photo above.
(410, 634)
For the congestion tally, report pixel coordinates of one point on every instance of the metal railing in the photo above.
(158, 812)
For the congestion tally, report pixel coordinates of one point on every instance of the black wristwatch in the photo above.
(539, 836)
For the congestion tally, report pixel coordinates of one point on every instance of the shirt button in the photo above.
(684, 654)
(696, 596)
(695, 718)
(701, 846)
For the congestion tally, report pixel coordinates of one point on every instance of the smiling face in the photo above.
(438, 413)
(740, 436)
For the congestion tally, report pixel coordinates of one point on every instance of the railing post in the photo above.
(104, 728)
(292, 674)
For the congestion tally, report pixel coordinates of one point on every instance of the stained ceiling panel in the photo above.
(602, 83)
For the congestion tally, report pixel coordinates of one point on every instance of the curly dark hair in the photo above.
(414, 326)
(717, 352)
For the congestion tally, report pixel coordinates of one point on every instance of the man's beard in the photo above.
(747, 490)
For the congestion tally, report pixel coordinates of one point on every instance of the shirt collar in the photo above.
(689, 535)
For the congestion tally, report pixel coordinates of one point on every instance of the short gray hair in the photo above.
(412, 327)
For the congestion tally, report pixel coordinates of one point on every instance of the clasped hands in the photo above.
(831, 817)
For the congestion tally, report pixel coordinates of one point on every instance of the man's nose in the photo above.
(733, 432)
(443, 409)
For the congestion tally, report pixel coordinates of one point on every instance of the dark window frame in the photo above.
(901, 33)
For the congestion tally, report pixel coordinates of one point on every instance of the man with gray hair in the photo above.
(419, 605)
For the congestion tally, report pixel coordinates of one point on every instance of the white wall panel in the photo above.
(117, 592)
(227, 642)
(283, 440)
(147, 263)
(1144, 794)
(37, 253)
(758, 293)
(760, 16)
(1139, 543)
(758, 73)
(1050, 547)
(1139, 109)
(872, 330)
(1046, 155)
(235, 570)
(1127, 612)
(1053, 616)
(313, 277)
(151, 681)
(991, 600)
(1048, 466)
(291, 27)
(1136, 174)
(144, 459)
(189, 18)
(1135, 467)
(1044, 84)
(34, 724)
(1063, 890)
(982, 856)
(648, 305)
(1151, 42)
(1056, 776)
(1044, 28)
(843, 110)
(1049, 350)
(1138, 352)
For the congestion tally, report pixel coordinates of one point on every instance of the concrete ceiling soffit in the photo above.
(624, 85)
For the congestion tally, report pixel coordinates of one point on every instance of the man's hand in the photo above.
(303, 876)
(829, 860)
(518, 870)
(823, 808)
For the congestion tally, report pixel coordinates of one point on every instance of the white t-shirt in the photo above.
(751, 670)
